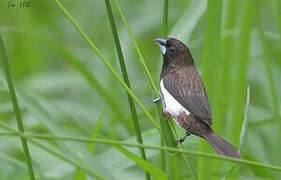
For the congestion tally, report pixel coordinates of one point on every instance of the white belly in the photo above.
(171, 105)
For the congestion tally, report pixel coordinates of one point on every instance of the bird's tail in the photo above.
(221, 146)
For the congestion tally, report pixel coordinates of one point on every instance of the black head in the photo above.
(174, 51)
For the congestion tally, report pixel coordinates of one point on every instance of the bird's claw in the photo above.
(156, 100)
(180, 140)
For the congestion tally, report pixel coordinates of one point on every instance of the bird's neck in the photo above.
(170, 68)
(174, 66)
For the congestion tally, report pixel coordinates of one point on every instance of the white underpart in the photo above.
(171, 104)
(163, 49)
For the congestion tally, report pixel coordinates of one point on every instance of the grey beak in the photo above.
(161, 41)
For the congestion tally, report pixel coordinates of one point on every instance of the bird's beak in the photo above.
(162, 42)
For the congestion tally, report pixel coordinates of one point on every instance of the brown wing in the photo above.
(186, 86)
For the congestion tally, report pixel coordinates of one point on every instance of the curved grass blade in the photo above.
(244, 128)
(16, 108)
(61, 156)
(243, 133)
(95, 132)
(154, 171)
(80, 174)
(51, 151)
(82, 69)
(126, 79)
(105, 61)
(34, 106)
(166, 130)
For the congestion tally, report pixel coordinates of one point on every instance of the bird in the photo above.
(184, 97)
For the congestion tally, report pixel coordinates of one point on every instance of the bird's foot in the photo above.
(156, 100)
(181, 139)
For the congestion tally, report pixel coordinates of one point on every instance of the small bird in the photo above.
(184, 97)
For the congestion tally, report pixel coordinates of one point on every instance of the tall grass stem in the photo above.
(166, 130)
(16, 108)
(126, 79)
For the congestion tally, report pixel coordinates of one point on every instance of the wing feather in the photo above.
(186, 86)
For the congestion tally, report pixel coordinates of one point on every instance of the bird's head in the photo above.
(174, 51)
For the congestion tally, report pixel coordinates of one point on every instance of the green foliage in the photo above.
(70, 98)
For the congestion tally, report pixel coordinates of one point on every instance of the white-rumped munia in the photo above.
(184, 97)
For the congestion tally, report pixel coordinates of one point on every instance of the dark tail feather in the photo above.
(221, 146)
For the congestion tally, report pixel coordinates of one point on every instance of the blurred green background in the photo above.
(63, 88)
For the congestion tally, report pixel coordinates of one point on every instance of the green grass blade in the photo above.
(154, 171)
(244, 128)
(142, 61)
(82, 69)
(16, 108)
(165, 18)
(184, 158)
(163, 160)
(61, 156)
(188, 21)
(239, 85)
(278, 11)
(34, 106)
(261, 173)
(79, 175)
(51, 151)
(105, 61)
(126, 79)
(122, 143)
(211, 50)
(95, 132)
(166, 130)
(243, 133)
(269, 71)
(226, 60)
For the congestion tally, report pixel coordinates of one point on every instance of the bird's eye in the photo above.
(172, 48)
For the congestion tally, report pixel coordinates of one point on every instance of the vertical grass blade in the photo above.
(91, 146)
(108, 65)
(226, 60)
(126, 79)
(243, 133)
(211, 51)
(165, 18)
(278, 11)
(184, 158)
(163, 155)
(16, 108)
(244, 128)
(166, 129)
(211, 48)
(268, 69)
(239, 85)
